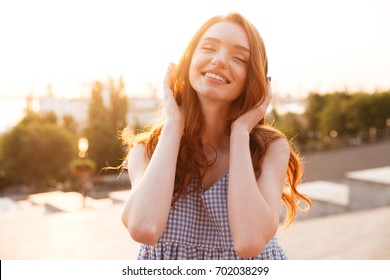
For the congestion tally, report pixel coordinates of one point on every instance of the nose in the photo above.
(219, 59)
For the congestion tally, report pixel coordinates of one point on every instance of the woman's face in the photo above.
(220, 62)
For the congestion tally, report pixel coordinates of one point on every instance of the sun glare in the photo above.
(311, 46)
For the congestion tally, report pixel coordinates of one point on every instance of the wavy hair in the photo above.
(192, 160)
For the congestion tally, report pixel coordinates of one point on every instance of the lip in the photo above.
(215, 72)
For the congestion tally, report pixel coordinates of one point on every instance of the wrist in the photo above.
(173, 126)
(239, 128)
(239, 132)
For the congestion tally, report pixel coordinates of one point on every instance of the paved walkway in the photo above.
(353, 235)
(83, 234)
(333, 164)
(98, 234)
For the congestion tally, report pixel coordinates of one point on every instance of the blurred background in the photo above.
(74, 73)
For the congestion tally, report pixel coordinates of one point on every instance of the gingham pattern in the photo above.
(198, 229)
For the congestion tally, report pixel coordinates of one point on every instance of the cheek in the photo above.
(191, 77)
(193, 74)
(242, 78)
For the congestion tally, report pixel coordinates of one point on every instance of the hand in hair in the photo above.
(172, 111)
(251, 118)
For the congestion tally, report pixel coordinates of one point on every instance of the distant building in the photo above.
(289, 104)
(140, 112)
(78, 108)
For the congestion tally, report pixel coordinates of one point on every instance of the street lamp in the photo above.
(83, 168)
(83, 147)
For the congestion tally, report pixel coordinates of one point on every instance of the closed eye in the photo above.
(240, 59)
(208, 48)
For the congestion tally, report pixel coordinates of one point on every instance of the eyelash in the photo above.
(208, 48)
(240, 59)
(234, 57)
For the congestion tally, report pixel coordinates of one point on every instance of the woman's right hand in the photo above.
(172, 111)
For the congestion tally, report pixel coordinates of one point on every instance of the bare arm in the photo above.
(254, 205)
(146, 211)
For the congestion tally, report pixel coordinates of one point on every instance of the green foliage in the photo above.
(118, 104)
(293, 126)
(37, 151)
(104, 121)
(315, 103)
(70, 124)
(81, 165)
(349, 114)
(2, 160)
(331, 118)
(366, 111)
(49, 117)
(333, 114)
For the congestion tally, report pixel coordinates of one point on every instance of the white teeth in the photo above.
(216, 77)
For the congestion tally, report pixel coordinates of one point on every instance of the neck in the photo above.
(216, 132)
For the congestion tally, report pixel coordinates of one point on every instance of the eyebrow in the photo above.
(219, 41)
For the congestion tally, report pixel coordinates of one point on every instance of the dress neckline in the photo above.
(206, 189)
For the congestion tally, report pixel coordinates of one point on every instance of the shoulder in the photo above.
(279, 150)
(280, 145)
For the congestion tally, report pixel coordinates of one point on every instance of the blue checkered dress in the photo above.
(198, 229)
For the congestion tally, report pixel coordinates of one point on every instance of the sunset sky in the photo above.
(312, 45)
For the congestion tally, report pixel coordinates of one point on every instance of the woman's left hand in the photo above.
(251, 118)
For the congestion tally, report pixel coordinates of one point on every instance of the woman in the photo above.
(207, 182)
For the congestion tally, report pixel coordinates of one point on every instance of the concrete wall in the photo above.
(365, 195)
(362, 195)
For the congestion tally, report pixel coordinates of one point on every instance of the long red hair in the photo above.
(192, 160)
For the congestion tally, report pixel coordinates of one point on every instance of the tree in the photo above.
(333, 115)
(70, 124)
(98, 129)
(366, 111)
(49, 117)
(118, 104)
(118, 111)
(293, 126)
(315, 104)
(2, 171)
(103, 124)
(37, 152)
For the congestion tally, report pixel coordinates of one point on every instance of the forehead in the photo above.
(227, 32)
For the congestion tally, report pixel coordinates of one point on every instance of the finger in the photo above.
(269, 79)
(167, 78)
(269, 88)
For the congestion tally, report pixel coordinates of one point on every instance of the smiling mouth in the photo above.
(215, 77)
